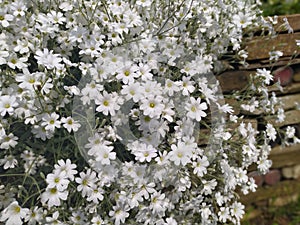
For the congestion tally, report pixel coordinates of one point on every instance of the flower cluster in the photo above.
(104, 106)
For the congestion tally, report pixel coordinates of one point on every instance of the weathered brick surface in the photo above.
(294, 21)
(284, 75)
(259, 179)
(272, 177)
(288, 172)
(282, 184)
(259, 48)
(234, 80)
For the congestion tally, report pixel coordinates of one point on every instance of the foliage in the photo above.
(279, 7)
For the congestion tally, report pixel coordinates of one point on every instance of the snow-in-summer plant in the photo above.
(104, 106)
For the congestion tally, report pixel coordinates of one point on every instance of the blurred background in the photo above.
(280, 7)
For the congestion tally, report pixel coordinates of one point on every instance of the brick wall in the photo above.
(282, 184)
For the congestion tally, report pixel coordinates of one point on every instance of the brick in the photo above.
(296, 76)
(294, 21)
(290, 89)
(297, 171)
(285, 156)
(272, 177)
(288, 172)
(259, 179)
(266, 63)
(291, 117)
(284, 200)
(259, 47)
(234, 80)
(290, 101)
(284, 75)
(283, 188)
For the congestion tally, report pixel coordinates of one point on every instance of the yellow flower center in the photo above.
(105, 103)
(53, 191)
(13, 61)
(17, 209)
(31, 80)
(147, 119)
(85, 182)
(126, 73)
(152, 105)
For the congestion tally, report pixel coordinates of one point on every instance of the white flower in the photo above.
(65, 166)
(209, 186)
(133, 91)
(171, 87)
(171, 221)
(104, 154)
(224, 214)
(51, 121)
(271, 132)
(274, 55)
(9, 161)
(237, 210)
(8, 141)
(86, 182)
(200, 166)
(145, 152)
(298, 42)
(57, 180)
(5, 18)
(242, 20)
(70, 124)
(34, 216)
(144, 71)
(127, 73)
(196, 109)
(119, 214)
(54, 219)
(52, 197)
(290, 132)
(265, 74)
(56, 17)
(29, 81)
(108, 103)
(152, 106)
(66, 6)
(78, 217)
(13, 214)
(180, 154)
(264, 165)
(96, 195)
(100, 149)
(8, 104)
(48, 59)
(186, 85)
(3, 56)
(158, 203)
(97, 220)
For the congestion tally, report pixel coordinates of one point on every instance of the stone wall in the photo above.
(282, 184)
